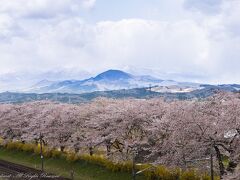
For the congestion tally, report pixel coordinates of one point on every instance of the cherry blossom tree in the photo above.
(154, 130)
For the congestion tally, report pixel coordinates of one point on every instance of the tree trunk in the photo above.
(108, 149)
(76, 149)
(91, 151)
(62, 148)
(219, 158)
(108, 146)
(36, 142)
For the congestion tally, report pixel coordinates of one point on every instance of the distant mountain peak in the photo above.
(110, 80)
(113, 75)
(43, 82)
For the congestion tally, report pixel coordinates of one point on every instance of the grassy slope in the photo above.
(83, 170)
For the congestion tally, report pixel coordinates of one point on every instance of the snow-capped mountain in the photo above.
(109, 80)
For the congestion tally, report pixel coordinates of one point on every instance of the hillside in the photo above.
(139, 93)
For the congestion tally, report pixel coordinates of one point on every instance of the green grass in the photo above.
(59, 166)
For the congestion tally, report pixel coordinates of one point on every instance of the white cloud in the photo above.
(88, 3)
(43, 8)
(149, 44)
(204, 47)
(153, 44)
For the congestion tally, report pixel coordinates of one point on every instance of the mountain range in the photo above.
(112, 84)
(107, 81)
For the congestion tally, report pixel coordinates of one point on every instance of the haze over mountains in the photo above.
(106, 81)
(110, 84)
(20, 80)
(60, 82)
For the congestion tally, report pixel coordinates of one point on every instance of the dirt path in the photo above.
(11, 171)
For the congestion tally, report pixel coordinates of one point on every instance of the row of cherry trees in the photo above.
(172, 133)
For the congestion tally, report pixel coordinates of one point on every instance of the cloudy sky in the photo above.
(187, 40)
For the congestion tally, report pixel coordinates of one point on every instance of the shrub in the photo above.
(56, 153)
(127, 166)
(102, 161)
(159, 172)
(207, 177)
(71, 157)
(189, 175)
(10, 146)
(95, 159)
(29, 148)
(37, 150)
(47, 152)
(1, 141)
(14, 145)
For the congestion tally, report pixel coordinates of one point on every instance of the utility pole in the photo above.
(41, 151)
(72, 174)
(134, 167)
(211, 162)
(150, 87)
